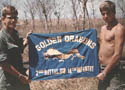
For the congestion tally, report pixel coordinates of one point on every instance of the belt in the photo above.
(102, 66)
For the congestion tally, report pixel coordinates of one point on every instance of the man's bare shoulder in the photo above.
(103, 28)
(120, 28)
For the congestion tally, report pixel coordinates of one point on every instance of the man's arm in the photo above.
(10, 69)
(25, 41)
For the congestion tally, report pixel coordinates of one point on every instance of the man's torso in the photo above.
(107, 44)
(10, 50)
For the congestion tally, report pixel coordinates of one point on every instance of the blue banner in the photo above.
(63, 55)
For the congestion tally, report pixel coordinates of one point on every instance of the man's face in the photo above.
(107, 16)
(10, 21)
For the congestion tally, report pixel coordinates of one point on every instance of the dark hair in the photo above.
(8, 10)
(108, 6)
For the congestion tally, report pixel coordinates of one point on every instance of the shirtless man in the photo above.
(111, 40)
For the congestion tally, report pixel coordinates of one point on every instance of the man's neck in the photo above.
(10, 31)
(112, 24)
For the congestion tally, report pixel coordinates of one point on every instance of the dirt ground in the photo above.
(65, 84)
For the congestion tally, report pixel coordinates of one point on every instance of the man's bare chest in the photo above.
(108, 36)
